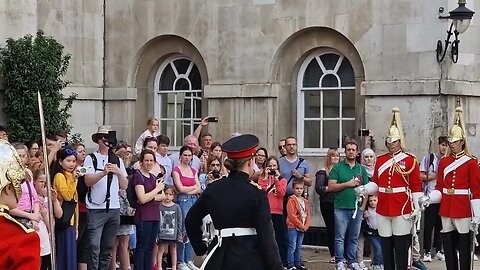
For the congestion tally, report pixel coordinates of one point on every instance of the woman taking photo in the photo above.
(149, 192)
(327, 198)
(275, 186)
(186, 181)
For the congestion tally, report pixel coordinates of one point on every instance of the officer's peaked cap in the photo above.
(242, 146)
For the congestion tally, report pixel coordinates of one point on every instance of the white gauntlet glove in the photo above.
(476, 215)
(416, 211)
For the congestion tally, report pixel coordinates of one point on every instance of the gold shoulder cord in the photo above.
(403, 173)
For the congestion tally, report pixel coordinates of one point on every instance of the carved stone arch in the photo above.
(288, 60)
(145, 66)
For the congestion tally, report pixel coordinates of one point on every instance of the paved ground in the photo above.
(316, 259)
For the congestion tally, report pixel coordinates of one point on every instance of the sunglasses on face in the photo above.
(215, 165)
(103, 137)
(280, 147)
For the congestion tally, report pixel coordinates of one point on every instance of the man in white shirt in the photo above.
(433, 222)
(102, 199)
(163, 159)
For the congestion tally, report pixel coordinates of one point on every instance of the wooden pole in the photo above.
(49, 183)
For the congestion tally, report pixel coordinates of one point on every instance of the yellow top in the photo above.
(66, 187)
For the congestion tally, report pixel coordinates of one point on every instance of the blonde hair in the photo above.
(328, 159)
(150, 120)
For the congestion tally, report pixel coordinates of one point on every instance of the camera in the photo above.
(83, 170)
(112, 139)
(272, 172)
(216, 174)
(159, 175)
(212, 119)
(363, 132)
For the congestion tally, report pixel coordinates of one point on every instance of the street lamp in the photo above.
(461, 17)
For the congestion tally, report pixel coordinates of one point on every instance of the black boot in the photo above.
(387, 252)
(402, 246)
(449, 248)
(464, 248)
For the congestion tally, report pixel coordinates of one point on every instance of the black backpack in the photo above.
(131, 194)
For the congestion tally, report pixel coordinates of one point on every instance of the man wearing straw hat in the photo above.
(458, 191)
(19, 245)
(396, 178)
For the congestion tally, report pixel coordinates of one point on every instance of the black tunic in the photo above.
(233, 202)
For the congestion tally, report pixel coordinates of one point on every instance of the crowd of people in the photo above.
(141, 207)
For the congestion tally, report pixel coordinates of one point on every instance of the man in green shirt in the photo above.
(343, 178)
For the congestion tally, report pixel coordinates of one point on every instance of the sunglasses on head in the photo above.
(69, 152)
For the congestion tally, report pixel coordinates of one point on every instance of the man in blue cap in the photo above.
(240, 214)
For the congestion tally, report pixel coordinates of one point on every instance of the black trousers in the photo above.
(46, 262)
(453, 241)
(433, 223)
(327, 213)
(280, 226)
(395, 251)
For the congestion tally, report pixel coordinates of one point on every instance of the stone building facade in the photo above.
(315, 69)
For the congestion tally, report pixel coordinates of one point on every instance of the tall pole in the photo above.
(51, 218)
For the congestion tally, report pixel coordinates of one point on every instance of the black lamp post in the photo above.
(461, 17)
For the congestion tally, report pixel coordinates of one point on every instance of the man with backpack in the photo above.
(433, 222)
(105, 177)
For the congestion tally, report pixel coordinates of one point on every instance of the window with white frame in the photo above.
(325, 101)
(178, 98)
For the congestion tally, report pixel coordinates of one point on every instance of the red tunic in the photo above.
(464, 177)
(391, 204)
(19, 246)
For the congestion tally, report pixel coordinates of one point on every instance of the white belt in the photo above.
(392, 190)
(228, 232)
(454, 191)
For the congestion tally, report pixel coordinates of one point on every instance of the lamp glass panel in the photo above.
(461, 25)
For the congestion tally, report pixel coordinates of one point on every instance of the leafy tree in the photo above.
(28, 65)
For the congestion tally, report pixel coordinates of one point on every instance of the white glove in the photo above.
(360, 191)
(476, 215)
(424, 202)
(416, 211)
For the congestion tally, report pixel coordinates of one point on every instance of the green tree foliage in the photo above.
(28, 65)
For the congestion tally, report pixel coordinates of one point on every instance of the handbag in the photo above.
(68, 208)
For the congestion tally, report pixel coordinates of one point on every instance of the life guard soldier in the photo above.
(458, 191)
(240, 214)
(397, 180)
(19, 245)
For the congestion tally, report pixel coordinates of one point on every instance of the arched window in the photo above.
(178, 98)
(325, 101)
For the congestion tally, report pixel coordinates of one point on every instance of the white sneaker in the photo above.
(377, 267)
(354, 266)
(427, 257)
(182, 266)
(192, 266)
(340, 266)
(362, 265)
(475, 258)
(439, 256)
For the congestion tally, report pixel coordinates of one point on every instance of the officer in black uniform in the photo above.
(240, 213)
